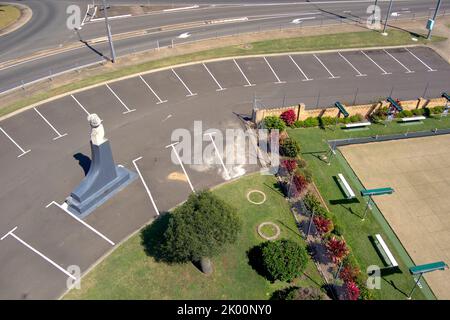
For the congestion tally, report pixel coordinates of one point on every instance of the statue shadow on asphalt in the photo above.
(83, 161)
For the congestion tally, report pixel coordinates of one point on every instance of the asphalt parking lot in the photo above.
(38, 166)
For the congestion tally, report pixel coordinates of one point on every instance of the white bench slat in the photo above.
(358, 124)
(346, 185)
(386, 250)
(413, 118)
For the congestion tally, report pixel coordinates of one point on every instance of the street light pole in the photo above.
(387, 18)
(373, 12)
(108, 30)
(434, 19)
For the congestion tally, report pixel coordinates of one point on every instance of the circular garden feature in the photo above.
(269, 230)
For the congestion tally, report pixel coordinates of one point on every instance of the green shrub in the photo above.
(283, 259)
(296, 293)
(307, 174)
(356, 118)
(437, 110)
(420, 112)
(289, 148)
(298, 124)
(326, 121)
(313, 203)
(311, 122)
(338, 229)
(379, 115)
(274, 122)
(301, 163)
(404, 114)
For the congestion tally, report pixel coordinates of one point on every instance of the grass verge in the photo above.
(8, 15)
(307, 43)
(356, 232)
(128, 273)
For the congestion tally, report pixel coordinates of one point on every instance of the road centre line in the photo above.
(64, 207)
(351, 65)
(153, 91)
(217, 82)
(15, 143)
(184, 84)
(323, 65)
(242, 72)
(145, 185)
(120, 100)
(11, 233)
(273, 71)
(59, 135)
(300, 69)
(406, 68)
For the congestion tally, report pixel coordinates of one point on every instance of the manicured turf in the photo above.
(307, 43)
(128, 273)
(8, 15)
(356, 232)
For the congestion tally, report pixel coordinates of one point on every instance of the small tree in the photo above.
(274, 122)
(288, 117)
(289, 164)
(323, 225)
(337, 249)
(289, 148)
(283, 259)
(198, 229)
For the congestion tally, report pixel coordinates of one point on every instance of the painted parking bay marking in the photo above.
(181, 163)
(273, 71)
(80, 105)
(243, 74)
(215, 80)
(332, 76)
(405, 67)
(184, 84)
(145, 185)
(153, 91)
(58, 135)
(351, 65)
(128, 110)
(300, 69)
(12, 234)
(427, 66)
(15, 143)
(64, 208)
(379, 67)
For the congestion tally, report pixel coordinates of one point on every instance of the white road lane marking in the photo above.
(351, 65)
(59, 135)
(406, 68)
(332, 76)
(273, 71)
(64, 207)
(15, 143)
(184, 84)
(153, 91)
(181, 163)
(145, 185)
(215, 80)
(427, 66)
(243, 74)
(79, 104)
(384, 71)
(300, 69)
(12, 234)
(120, 100)
(227, 174)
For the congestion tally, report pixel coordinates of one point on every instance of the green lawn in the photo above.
(128, 273)
(356, 232)
(306, 43)
(8, 15)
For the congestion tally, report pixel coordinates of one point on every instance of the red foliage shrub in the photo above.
(289, 164)
(288, 117)
(337, 249)
(322, 224)
(351, 291)
(349, 273)
(299, 185)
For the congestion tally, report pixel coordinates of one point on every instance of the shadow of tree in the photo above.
(255, 260)
(152, 238)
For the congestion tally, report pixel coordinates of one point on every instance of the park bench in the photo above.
(385, 252)
(345, 186)
(358, 124)
(413, 119)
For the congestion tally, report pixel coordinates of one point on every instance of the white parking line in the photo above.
(351, 65)
(332, 76)
(276, 76)
(59, 135)
(406, 68)
(227, 174)
(184, 84)
(64, 207)
(145, 185)
(79, 104)
(242, 72)
(300, 69)
(11, 233)
(384, 71)
(427, 66)
(153, 91)
(217, 82)
(120, 100)
(15, 143)
(181, 163)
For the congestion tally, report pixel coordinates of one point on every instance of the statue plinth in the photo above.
(103, 180)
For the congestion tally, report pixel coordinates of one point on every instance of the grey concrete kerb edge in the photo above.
(259, 192)
(268, 223)
(25, 15)
(34, 105)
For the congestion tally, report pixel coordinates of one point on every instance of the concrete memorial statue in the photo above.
(104, 178)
